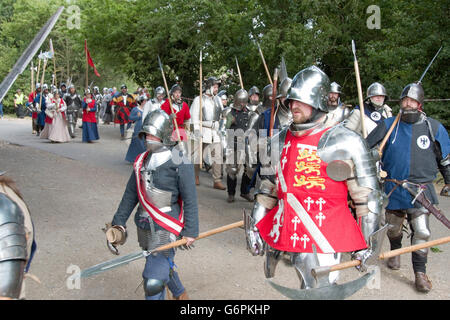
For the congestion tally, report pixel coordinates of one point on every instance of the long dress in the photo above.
(90, 131)
(46, 115)
(137, 146)
(59, 132)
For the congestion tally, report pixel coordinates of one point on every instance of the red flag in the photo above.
(89, 59)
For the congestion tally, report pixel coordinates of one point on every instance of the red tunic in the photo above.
(181, 117)
(312, 208)
(89, 116)
(31, 98)
(123, 108)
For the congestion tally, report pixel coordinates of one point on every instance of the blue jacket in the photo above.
(176, 178)
(410, 154)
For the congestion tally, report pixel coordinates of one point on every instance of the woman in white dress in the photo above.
(59, 131)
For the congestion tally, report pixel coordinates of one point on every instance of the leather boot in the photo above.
(394, 263)
(197, 181)
(247, 197)
(219, 185)
(423, 284)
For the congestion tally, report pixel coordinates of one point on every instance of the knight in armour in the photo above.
(164, 189)
(302, 197)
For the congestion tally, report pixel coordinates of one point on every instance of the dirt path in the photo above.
(73, 189)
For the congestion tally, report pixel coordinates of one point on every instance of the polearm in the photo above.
(107, 265)
(54, 80)
(39, 68)
(87, 64)
(170, 100)
(265, 65)
(32, 76)
(382, 256)
(360, 96)
(42, 83)
(239, 73)
(274, 94)
(201, 112)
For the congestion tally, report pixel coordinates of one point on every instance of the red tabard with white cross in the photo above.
(312, 208)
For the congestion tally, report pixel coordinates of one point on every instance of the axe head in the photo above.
(331, 292)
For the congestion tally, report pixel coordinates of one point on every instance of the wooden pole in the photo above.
(170, 100)
(360, 96)
(388, 134)
(274, 99)
(87, 65)
(390, 254)
(265, 65)
(42, 83)
(239, 73)
(201, 112)
(201, 236)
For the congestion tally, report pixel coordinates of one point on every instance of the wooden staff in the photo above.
(387, 254)
(170, 100)
(360, 96)
(201, 112)
(201, 236)
(265, 65)
(42, 83)
(32, 76)
(274, 99)
(239, 73)
(87, 65)
(388, 134)
(39, 69)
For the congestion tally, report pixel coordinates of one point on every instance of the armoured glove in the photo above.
(363, 256)
(115, 235)
(255, 244)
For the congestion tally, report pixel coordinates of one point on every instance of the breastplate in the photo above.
(210, 110)
(162, 199)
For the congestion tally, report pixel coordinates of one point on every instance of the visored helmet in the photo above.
(376, 89)
(310, 86)
(159, 124)
(414, 91)
(240, 99)
(160, 90)
(253, 90)
(335, 88)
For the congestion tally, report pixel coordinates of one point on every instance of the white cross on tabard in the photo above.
(296, 221)
(294, 238)
(320, 217)
(308, 201)
(320, 202)
(287, 146)
(305, 239)
(283, 162)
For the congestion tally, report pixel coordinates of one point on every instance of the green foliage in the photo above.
(125, 38)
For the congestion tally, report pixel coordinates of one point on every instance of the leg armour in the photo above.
(153, 287)
(272, 258)
(420, 227)
(395, 219)
(305, 262)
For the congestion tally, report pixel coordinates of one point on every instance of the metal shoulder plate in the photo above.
(340, 143)
(13, 242)
(274, 149)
